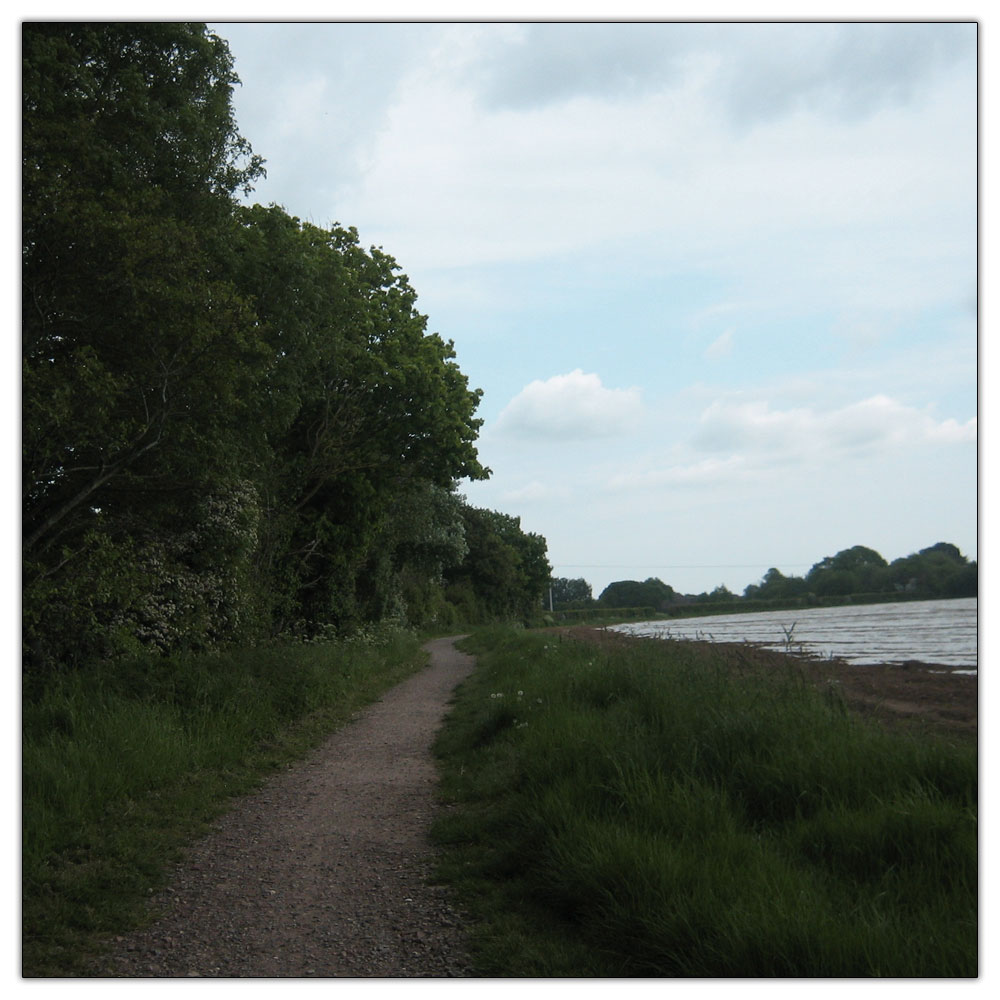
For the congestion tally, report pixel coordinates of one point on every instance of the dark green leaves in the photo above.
(226, 410)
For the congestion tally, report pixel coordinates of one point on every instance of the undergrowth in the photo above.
(123, 764)
(661, 810)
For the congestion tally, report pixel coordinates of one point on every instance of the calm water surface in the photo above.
(940, 632)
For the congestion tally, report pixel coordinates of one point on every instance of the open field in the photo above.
(943, 633)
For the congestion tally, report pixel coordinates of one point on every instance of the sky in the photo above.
(716, 280)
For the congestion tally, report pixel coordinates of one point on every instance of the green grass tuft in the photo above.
(663, 811)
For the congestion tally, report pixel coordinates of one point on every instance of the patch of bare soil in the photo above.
(921, 693)
(325, 871)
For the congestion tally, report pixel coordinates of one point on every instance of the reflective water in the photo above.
(940, 632)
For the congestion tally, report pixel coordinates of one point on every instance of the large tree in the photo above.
(138, 354)
(652, 593)
(360, 411)
(937, 571)
(571, 592)
(132, 344)
(226, 411)
(857, 570)
(505, 572)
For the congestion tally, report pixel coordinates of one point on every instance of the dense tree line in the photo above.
(938, 571)
(234, 423)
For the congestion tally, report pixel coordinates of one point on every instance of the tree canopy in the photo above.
(571, 593)
(650, 593)
(234, 423)
(938, 571)
(505, 573)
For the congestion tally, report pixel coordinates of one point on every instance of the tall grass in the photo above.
(122, 764)
(663, 811)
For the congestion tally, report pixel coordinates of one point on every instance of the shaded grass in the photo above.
(122, 765)
(658, 810)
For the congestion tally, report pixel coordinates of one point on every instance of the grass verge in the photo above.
(122, 765)
(661, 810)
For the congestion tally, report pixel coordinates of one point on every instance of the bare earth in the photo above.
(324, 872)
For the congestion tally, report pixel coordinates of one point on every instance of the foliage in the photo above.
(630, 593)
(365, 413)
(938, 571)
(568, 593)
(719, 595)
(855, 570)
(505, 573)
(136, 353)
(233, 421)
(776, 586)
(685, 810)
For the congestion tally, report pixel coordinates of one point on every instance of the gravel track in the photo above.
(324, 872)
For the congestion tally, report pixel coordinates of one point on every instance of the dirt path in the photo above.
(324, 871)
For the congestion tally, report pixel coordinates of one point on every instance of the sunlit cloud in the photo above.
(571, 406)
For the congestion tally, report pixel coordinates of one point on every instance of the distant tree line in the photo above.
(935, 572)
(234, 424)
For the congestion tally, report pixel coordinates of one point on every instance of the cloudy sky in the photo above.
(717, 281)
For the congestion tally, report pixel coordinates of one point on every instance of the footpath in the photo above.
(324, 871)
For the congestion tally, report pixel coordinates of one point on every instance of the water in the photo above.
(939, 632)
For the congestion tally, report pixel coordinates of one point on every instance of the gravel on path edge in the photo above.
(324, 872)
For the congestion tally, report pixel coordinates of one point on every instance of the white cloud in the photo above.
(540, 64)
(868, 214)
(573, 406)
(312, 101)
(877, 422)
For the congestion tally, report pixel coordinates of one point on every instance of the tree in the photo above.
(505, 573)
(652, 592)
(937, 571)
(566, 591)
(722, 594)
(232, 421)
(361, 409)
(137, 354)
(857, 570)
(130, 159)
(776, 586)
